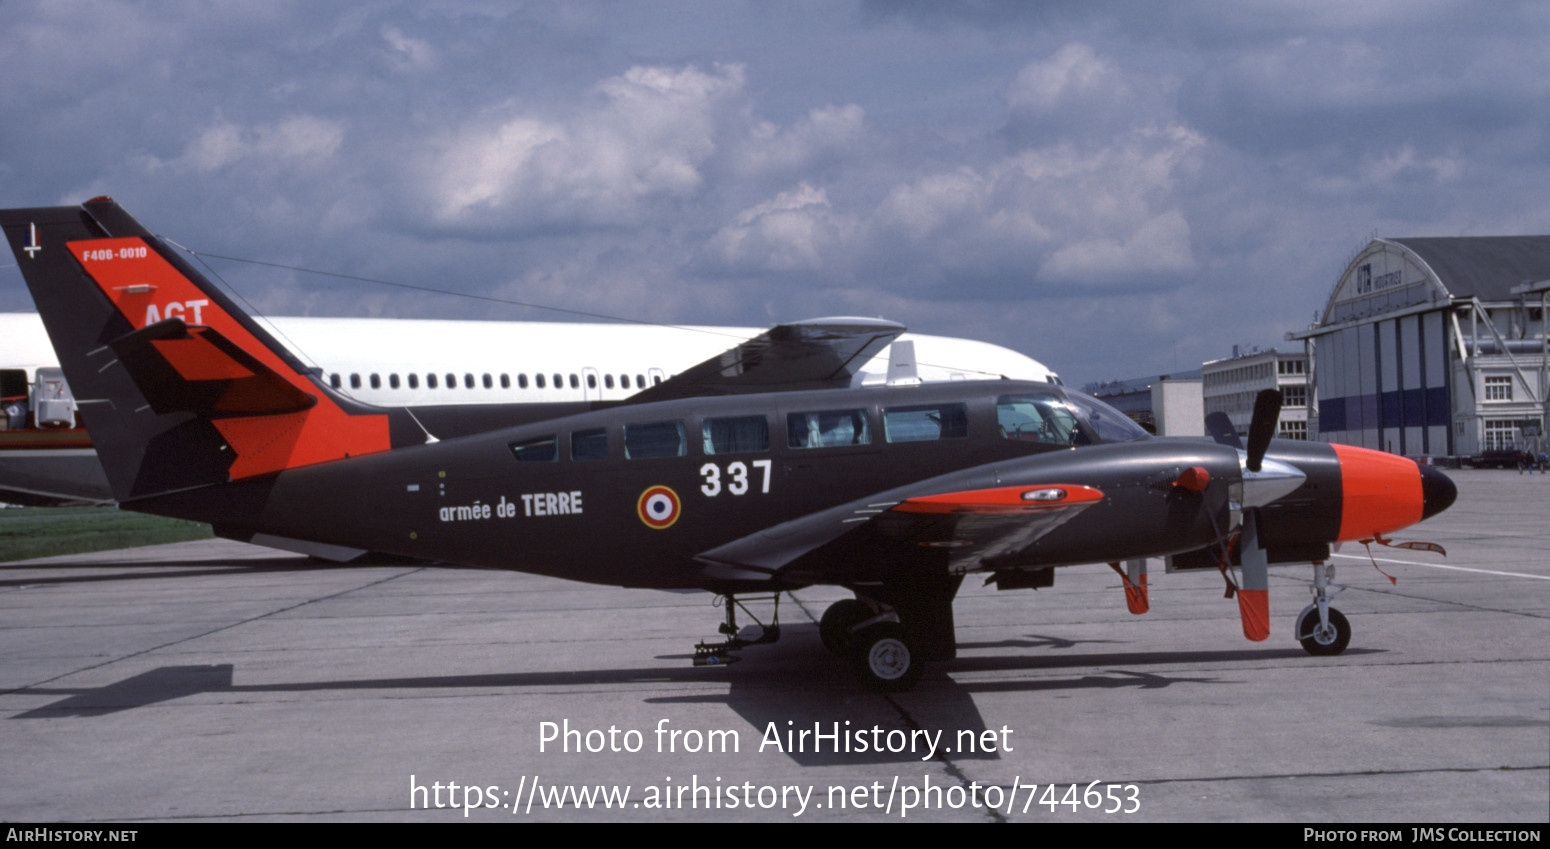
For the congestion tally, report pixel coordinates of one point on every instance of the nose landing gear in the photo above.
(1322, 629)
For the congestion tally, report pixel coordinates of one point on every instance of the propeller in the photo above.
(1267, 409)
(1254, 595)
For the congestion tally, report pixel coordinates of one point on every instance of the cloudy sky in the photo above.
(1115, 189)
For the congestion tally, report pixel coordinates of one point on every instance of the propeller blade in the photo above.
(1254, 595)
(1221, 429)
(1267, 409)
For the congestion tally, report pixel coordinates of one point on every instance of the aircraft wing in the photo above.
(820, 353)
(899, 532)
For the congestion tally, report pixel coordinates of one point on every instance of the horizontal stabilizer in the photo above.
(195, 369)
(820, 353)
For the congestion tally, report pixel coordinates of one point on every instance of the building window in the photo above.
(1498, 388)
(1294, 396)
(1294, 430)
(1501, 433)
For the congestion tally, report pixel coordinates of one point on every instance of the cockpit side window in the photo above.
(1070, 419)
(1037, 417)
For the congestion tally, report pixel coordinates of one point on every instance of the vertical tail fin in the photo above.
(177, 385)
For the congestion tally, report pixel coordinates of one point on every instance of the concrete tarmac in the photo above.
(219, 681)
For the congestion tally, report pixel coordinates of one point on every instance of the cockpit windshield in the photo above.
(1063, 418)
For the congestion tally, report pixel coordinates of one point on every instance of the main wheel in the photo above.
(837, 621)
(1323, 641)
(884, 659)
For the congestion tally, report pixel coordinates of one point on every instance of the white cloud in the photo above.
(648, 135)
(796, 230)
(412, 54)
(829, 130)
(298, 141)
(1073, 72)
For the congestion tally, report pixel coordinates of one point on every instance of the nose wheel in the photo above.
(1322, 639)
(1321, 629)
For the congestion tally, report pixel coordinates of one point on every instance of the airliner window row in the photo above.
(488, 381)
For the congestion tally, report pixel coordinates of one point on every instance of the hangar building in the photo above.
(1434, 346)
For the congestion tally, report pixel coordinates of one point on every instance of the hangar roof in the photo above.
(1484, 266)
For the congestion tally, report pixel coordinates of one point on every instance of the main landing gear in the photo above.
(887, 640)
(1322, 629)
(872, 638)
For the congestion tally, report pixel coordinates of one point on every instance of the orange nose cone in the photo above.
(1381, 493)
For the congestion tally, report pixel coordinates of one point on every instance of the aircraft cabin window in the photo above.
(451, 381)
(542, 449)
(505, 381)
(489, 382)
(393, 381)
(589, 444)
(640, 381)
(430, 381)
(355, 381)
(522, 381)
(608, 380)
(540, 379)
(334, 381)
(741, 434)
(468, 381)
(376, 381)
(827, 429)
(591, 381)
(559, 382)
(575, 382)
(925, 422)
(655, 439)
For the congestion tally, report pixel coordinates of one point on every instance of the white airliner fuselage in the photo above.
(424, 362)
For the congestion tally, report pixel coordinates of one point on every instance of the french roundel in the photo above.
(658, 507)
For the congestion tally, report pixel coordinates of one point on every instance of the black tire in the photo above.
(1324, 644)
(837, 621)
(884, 658)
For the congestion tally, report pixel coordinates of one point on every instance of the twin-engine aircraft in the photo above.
(756, 472)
